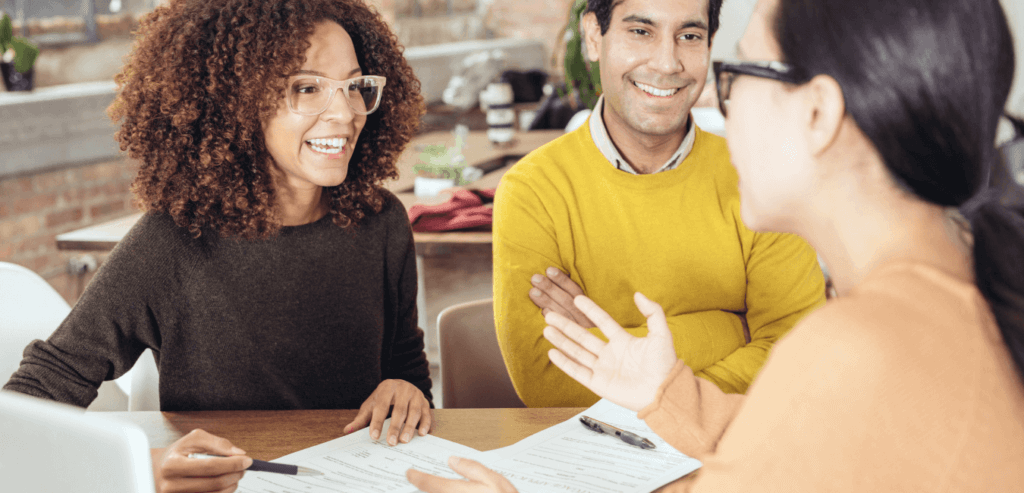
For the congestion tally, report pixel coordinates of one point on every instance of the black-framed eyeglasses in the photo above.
(726, 72)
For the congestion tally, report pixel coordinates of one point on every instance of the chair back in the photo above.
(145, 384)
(473, 373)
(31, 309)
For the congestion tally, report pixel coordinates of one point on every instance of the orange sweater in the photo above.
(903, 385)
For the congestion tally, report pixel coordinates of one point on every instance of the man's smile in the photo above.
(654, 91)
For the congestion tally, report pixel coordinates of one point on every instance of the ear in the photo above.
(592, 36)
(826, 110)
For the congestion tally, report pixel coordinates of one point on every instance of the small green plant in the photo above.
(25, 52)
(582, 76)
(438, 161)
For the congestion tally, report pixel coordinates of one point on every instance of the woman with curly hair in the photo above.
(271, 269)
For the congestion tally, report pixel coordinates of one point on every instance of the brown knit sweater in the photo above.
(314, 317)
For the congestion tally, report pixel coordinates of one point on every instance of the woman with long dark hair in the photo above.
(863, 126)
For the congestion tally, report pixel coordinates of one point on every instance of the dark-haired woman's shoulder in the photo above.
(898, 309)
(901, 384)
(909, 378)
(907, 338)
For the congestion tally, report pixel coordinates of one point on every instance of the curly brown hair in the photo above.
(205, 74)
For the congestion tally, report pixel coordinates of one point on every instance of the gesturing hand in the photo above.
(411, 408)
(480, 479)
(626, 370)
(555, 292)
(174, 472)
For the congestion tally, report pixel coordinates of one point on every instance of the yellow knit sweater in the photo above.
(675, 236)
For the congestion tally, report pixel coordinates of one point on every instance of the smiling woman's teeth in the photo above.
(654, 91)
(327, 146)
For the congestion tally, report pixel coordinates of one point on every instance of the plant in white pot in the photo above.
(18, 57)
(442, 167)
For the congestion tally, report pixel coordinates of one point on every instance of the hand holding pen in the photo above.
(264, 466)
(173, 471)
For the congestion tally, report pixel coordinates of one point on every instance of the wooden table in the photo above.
(478, 151)
(268, 435)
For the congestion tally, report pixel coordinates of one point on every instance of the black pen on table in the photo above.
(625, 436)
(261, 465)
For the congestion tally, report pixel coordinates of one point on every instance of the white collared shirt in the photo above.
(599, 132)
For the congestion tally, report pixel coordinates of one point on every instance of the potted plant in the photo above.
(439, 168)
(18, 58)
(442, 167)
(581, 87)
(582, 76)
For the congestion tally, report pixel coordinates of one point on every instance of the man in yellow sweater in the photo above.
(641, 199)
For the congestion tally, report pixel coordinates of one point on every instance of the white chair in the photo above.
(145, 384)
(473, 373)
(31, 309)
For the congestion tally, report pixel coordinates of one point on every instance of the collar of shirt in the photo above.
(599, 133)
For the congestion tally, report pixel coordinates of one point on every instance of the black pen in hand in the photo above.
(260, 465)
(625, 436)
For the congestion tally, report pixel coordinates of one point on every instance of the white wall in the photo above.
(735, 15)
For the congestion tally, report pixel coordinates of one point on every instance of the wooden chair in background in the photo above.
(473, 373)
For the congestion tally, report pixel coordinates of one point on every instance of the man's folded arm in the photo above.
(525, 244)
(784, 285)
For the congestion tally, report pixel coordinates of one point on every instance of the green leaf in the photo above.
(432, 152)
(581, 75)
(6, 33)
(25, 54)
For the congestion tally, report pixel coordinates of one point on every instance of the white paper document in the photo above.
(357, 464)
(571, 457)
(567, 457)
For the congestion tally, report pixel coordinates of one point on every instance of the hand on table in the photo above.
(411, 408)
(174, 472)
(626, 370)
(480, 479)
(555, 293)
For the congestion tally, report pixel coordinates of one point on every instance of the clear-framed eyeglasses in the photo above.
(312, 95)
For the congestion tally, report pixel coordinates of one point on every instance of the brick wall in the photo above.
(34, 209)
(532, 19)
